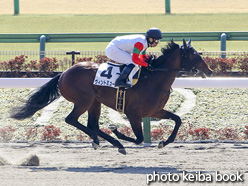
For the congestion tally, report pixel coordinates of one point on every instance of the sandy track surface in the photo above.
(79, 164)
(126, 7)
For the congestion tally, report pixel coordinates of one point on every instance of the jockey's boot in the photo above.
(122, 80)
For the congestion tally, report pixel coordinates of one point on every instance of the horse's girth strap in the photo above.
(120, 99)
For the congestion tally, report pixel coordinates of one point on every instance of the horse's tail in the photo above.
(41, 98)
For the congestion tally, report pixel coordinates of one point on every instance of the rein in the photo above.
(184, 60)
(187, 64)
(165, 69)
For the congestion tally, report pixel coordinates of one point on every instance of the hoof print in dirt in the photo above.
(33, 160)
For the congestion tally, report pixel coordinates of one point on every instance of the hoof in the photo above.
(122, 151)
(94, 145)
(112, 127)
(161, 144)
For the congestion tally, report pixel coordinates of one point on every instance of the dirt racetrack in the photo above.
(79, 164)
(124, 7)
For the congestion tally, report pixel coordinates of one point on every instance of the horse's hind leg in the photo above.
(93, 118)
(72, 119)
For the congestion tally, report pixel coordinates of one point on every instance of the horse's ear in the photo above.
(189, 43)
(184, 44)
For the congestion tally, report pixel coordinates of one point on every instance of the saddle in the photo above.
(108, 73)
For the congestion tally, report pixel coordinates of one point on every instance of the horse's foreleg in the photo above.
(136, 124)
(164, 114)
(137, 129)
(119, 135)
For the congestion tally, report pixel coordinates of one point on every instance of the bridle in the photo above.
(187, 64)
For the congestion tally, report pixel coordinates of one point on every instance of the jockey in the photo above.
(131, 50)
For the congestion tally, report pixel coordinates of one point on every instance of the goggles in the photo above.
(156, 41)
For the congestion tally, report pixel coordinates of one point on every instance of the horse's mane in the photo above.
(166, 52)
(171, 47)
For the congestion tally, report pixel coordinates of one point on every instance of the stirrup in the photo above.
(124, 86)
(122, 83)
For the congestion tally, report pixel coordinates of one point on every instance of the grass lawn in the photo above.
(121, 23)
(198, 45)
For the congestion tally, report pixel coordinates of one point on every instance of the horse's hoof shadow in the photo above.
(122, 151)
(112, 127)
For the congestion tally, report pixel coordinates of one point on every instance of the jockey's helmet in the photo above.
(155, 34)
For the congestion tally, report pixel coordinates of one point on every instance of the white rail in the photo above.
(211, 83)
(179, 82)
(22, 82)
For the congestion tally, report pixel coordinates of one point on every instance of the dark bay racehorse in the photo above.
(146, 99)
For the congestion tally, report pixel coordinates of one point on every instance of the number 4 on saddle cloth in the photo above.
(108, 73)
